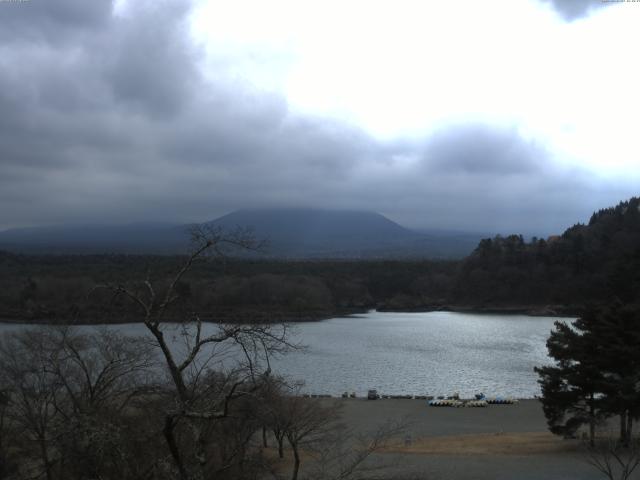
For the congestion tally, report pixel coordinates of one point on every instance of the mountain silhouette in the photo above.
(287, 233)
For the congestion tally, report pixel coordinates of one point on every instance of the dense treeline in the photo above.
(590, 262)
(60, 288)
(596, 375)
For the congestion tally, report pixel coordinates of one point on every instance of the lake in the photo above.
(434, 353)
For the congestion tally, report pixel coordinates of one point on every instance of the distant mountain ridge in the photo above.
(289, 233)
(303, 232)
(307, 225)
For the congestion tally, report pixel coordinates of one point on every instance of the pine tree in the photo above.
(572, 389)
(618, 329)
(597, 371)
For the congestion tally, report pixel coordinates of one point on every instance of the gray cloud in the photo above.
(111, 121)
(482, 149)
(571, 10)
(51, 21)
(152, 65)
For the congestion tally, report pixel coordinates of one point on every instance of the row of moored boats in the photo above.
(482, 402)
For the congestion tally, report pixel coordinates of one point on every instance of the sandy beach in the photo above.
(525, 416)
(495, 442)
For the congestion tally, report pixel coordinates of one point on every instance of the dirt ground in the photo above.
(486, 444)
(525, 416)
(495, 442)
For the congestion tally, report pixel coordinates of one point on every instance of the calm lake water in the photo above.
(435, 353)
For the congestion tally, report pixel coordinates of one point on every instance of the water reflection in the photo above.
(433, 353)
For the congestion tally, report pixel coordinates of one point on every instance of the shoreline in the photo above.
(406, 398)
(530, 311)
(560, 311)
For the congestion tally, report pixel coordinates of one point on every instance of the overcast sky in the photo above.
(494, 115)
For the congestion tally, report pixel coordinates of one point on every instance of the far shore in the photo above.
(560, 311)
(293, 317)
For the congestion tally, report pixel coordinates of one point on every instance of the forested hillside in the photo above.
(593, 262)
(587, 262)
(60, 288)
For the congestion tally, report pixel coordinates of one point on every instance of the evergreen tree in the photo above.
(597, 371)
(618, 329)
(571, 390)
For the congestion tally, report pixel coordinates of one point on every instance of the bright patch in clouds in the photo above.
(407, 68)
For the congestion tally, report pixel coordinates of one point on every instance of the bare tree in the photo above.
(66, 396)
(33, 393)
(7, 464)
(102, 373)
(313, 426)
(345, 454)
(100, 369)
(614, 459)
(308, 422)
(197, 397)
(273, 411)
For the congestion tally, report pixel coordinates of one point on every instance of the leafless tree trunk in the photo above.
(280, 439)
(296, 461)
(592, 421)
(307, 421)
(623, 427)
(195, 401)
(4, 403)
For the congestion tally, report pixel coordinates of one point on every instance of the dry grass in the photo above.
(276, 464)
(283, 466)
(488, 444)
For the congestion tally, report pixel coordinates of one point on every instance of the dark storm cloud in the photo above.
(111, 121)
(152, 67)
(573, 9)
(482, 149)
(51, 21)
